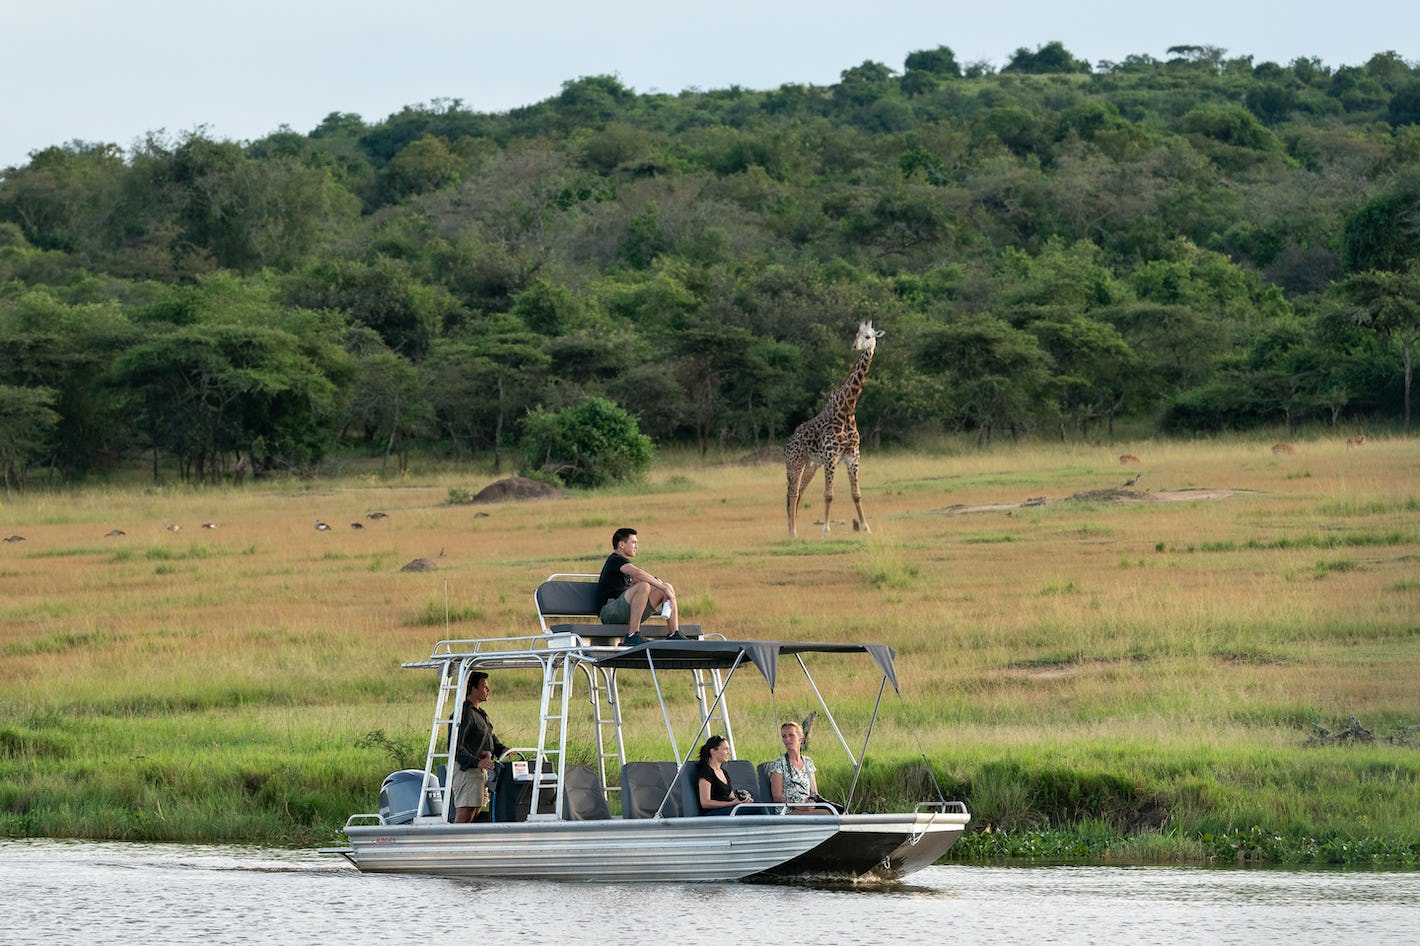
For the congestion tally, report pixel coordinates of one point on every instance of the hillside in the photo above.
(1194, 244)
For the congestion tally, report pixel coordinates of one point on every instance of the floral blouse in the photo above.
(796, 781)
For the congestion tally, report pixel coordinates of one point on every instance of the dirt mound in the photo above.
(418, 565)
(515, 488)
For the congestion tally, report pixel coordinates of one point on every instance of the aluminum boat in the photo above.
(580, 809)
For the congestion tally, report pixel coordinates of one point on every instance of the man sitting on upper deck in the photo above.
(627, 594)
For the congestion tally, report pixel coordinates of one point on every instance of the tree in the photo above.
(1177, 345)
(1287, 371)
(1389, 305)
(1404, 108)
(1209, 58)
(66, 198)
(389, 402)
(68, 349)
(711, 356)
(1049, 58)
(592, 444)
(938, 62)
(1095, 369)
(925, 69)
(863, 84)
(481, 382)
(385, 296)
(27, 421)
(211, 392)
(424, 165)
(1231, 125)
(1384, 232)
(253, 213)
(592, 100)
(999, 377)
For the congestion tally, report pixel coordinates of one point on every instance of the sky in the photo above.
(114, 71)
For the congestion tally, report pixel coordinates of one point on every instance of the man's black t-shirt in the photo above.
(612, 583)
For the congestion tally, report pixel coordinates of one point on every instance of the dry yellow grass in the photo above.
(1295, 597)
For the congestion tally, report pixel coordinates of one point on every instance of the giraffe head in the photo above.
(867, 338)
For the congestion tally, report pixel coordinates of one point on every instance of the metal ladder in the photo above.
(450, 699)
(552, 727)
(706, 686)
(602, 694)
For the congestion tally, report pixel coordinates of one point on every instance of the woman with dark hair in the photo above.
(716, 795)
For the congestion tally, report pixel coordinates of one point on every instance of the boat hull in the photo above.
(883, 846)
(661, 849)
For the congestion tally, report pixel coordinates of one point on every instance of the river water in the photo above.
(92, 893)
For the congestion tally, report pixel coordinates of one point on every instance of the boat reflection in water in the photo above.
(554, 820)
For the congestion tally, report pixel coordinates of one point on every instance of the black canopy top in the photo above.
(720, 655)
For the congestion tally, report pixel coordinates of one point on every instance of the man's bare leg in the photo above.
(636, 598)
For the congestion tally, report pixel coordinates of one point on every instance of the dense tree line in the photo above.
(1197, 243)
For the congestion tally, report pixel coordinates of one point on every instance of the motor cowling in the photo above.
(399, 796)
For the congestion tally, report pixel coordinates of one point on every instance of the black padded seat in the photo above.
(766, 791)
(583, 797)
(690, 790)
(577, 599)
(644, 785)
(743, 777)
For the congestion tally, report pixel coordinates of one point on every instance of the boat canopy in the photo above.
(723, 654)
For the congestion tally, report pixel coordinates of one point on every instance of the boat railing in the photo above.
(369, 819)
(531, 764)
(759, 808)
(937, 809)
(455, 648)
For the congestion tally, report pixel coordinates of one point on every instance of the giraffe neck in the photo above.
(844, 401)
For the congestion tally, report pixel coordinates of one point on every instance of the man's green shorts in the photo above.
(618, 611)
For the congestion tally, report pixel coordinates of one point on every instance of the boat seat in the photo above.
(567, 604)
(583, 797)
(644, 785)
(762, 771)
(742, 776)
(689, 790)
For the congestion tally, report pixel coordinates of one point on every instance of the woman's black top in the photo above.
(719, 791)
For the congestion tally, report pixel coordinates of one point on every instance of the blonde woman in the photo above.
(791, 776)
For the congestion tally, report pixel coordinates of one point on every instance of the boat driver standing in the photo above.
(475, 750)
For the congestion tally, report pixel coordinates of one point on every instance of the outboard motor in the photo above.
(399, 796)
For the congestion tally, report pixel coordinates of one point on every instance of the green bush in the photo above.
(594, 443)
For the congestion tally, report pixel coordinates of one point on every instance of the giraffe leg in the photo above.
(851, 461)
(793, 494)
(827, 493)
(796, 489)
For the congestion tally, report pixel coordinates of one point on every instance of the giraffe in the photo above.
(833, 433)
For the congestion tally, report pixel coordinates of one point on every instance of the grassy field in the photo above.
(1131, 675)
